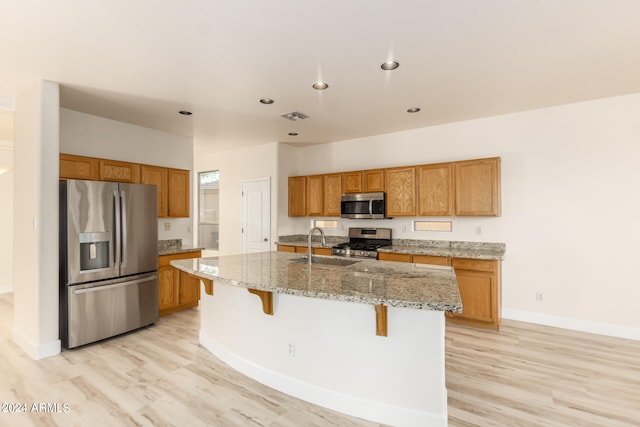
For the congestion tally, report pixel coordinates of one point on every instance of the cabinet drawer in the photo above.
(475, 264)
(429, 259)
(286, 248)
(166, 259)
(386, 256)
(322, 251)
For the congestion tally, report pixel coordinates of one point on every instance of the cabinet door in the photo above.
(332, 194)
(373, 180)
(178, 193)
(477, 184)
(476, 291)
(297, 195)
(113, 170)
(314, 195)
(479, 283)
(189, 290)
(77, 167)
(400, 184)
(352, 182)
(435, 189)
(168, 286)
(157, 176)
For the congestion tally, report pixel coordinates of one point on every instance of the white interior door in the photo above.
(256, 215)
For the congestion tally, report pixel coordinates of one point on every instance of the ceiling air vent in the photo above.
(296, 115)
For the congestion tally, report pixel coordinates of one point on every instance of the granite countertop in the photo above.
(316, 240)
(477, 250)
(416, 286)
(458, 249)
(175, 246)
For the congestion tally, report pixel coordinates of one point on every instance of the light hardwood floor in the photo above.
(526, 375)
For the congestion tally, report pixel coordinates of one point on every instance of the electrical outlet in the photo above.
(478, 230)
(539, 296)
(167, 226)
(292, 348)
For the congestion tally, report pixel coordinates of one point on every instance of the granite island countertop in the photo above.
(425, 287)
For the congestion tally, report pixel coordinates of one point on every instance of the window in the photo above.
(208, 201)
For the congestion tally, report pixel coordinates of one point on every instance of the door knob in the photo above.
(266, 240)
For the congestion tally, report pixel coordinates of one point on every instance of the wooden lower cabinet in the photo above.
(479, 284)
(178, 290)
(388, 256)
(304, 249)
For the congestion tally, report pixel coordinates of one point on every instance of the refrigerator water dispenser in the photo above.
(94, 251)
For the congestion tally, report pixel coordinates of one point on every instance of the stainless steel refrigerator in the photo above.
(108, 259)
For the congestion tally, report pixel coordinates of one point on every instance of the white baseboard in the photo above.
(357, 407)
(573, 324)
(34, 350)
(6, 289)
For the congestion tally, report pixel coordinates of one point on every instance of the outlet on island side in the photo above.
(539, 296)
(291, 348)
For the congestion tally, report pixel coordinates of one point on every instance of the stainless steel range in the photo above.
(363, 243)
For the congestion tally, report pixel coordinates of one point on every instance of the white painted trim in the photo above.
(573, 324)
(357, 407)
(36, 351)
(6, 289)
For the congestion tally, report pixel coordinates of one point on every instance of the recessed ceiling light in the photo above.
(389, 65)
(266, 101)
(293, 133)
(413, 110)
(320, 85)
(185, 112)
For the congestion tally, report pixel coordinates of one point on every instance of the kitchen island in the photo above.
(362, 337)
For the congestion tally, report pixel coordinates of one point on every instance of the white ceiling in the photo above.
(140, 61)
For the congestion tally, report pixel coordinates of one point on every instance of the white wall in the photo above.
(236, 166)
(86, 135)
(35, 326)
(6, 231)
(569, 202)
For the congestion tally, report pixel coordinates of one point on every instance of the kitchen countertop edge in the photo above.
(188, 267)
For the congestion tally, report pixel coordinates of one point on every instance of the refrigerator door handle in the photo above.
(115, 285)
(116, 231)
(123, 240)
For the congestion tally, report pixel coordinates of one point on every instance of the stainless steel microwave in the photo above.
(363, 206)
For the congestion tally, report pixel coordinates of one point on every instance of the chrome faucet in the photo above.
(309, 240)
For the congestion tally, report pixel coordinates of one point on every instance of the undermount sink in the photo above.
(340, 262)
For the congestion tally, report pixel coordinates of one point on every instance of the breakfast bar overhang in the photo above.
(364, 338)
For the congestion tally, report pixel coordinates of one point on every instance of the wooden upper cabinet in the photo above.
(373, 180)
(435, 189)
(157, 176)
(477, 184)
(178, 193)
(78, 167)
(315, 196)
(297, 195)
(114, 170)
(332, 194)
(400, 185)
(352, 182)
